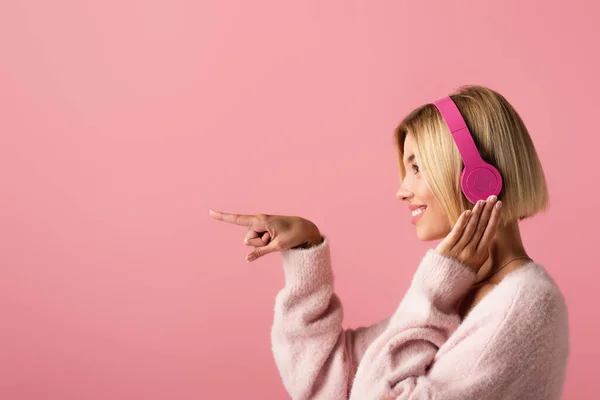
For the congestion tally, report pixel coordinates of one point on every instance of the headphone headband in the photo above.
(458, 129)
(478, 180)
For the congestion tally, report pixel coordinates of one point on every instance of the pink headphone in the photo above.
(478, 180)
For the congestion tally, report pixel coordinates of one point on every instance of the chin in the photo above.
(424, 237)
(428, 235)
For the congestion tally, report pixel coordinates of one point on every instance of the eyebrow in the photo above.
(410, 159)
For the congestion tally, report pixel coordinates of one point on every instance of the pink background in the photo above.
(122, 122)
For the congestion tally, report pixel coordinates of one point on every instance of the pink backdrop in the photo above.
(122, 122)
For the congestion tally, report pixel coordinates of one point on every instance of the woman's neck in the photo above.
(506, 246)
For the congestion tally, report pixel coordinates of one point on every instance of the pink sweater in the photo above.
(512, 345)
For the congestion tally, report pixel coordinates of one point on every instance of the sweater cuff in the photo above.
(306, 269)
(444, 280)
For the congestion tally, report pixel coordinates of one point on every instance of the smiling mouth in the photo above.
(418, 211)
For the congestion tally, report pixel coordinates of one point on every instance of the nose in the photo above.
(404, 194)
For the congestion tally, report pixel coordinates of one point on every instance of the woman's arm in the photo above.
(426, 317)
(514, 348)
(316, 357)
(403, 359)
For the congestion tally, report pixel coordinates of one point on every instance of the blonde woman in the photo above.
(480, 320)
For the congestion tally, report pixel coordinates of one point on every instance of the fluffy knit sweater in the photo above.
(512, 345)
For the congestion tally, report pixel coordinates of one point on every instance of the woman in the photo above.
(480, 320)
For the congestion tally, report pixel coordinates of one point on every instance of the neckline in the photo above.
(526, 266)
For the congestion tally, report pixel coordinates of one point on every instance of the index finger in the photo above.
(238, 219)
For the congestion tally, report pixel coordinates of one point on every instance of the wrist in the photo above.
(311, 242)
(444, 279)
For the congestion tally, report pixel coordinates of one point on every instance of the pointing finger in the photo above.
(238, 219)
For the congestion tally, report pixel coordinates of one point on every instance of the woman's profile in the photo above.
(480, 319)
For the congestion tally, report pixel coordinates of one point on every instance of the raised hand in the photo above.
(470, 239)
(269, 233)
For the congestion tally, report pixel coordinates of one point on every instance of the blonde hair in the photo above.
(502, 140)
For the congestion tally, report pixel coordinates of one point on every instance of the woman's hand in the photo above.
(269, 233)
(470, 239)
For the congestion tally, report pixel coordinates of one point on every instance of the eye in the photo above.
(415, 168)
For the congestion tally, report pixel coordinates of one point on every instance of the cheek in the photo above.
(442, 226)
(436, 225)
(426, 195)
(421, 188)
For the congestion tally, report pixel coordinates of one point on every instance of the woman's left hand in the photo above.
(470, 239)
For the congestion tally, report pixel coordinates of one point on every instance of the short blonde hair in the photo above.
(502, 140)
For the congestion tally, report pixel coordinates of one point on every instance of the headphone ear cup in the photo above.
(480, 183)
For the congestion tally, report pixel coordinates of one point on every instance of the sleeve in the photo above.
(397, 362)
(517, 351)
(520, 351)
(315, 356)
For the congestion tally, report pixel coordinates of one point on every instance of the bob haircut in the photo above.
(502, 140)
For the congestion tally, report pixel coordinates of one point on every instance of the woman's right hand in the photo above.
(269, 233)
(470, 239)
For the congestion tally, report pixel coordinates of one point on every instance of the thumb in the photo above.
(261, 251)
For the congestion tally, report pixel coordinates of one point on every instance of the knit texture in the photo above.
(512, 345)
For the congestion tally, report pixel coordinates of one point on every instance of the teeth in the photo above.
(418, 211)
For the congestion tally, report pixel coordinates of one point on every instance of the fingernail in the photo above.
(492, 198)
(499, 205)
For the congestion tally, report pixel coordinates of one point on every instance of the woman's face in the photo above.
(426, 212)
